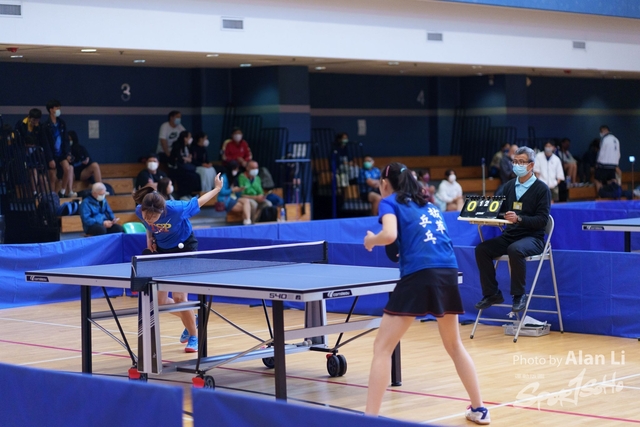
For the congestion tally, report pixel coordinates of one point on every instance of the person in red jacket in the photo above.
(236, 149)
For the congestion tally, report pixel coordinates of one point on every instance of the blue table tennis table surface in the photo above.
(292, 279)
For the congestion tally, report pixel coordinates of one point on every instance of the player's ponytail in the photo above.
(404, 184)
(149, 200)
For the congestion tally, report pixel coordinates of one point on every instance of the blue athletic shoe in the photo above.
(478, 415)
(192, 345)
(185, 334)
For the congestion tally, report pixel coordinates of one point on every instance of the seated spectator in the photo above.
(569, 163)
(370, 184)
(151, 175)
(506, 165)
(169, 132)
(236, 149)
(33, 136)
(230, 194)
(200, 159)
(494, 167)
(182, 170)
(96, 214)
(252, 189)
(55, 131)
(589, 160)
(424, 179)
(165, 187)
(84, 168)
(342, 160)
(548, 169)
(449, 195)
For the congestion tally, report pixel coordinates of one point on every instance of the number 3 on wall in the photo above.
(126, 92)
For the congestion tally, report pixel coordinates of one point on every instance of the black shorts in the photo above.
(430, 291)
(604, 175)
(365, 196)
(190, 245)
(77, 170)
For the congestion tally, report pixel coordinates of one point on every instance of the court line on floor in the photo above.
(360, 386)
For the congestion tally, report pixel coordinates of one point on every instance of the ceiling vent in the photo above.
(579, 45)
(10, 9)
(234, 24)
(434, 37)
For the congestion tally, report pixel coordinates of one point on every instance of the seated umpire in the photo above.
(96, 214)
(527, 206)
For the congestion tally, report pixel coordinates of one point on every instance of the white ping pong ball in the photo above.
(180, 245)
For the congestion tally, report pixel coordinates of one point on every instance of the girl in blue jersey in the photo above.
(169, 230)
(428, 284)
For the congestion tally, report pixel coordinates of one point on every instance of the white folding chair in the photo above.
(545, 255)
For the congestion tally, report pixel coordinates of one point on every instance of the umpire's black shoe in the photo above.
(519, 302)
(487, 302)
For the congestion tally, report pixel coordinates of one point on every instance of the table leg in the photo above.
(85, 328)
(627, 241)
(396, 368)
(278, 350)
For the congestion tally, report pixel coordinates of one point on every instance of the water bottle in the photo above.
(283, 214)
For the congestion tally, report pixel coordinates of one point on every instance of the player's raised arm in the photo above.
(202, 200)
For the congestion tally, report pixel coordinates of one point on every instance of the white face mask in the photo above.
(452, 178)
(58, 112)
(70, 142)
(152, 166)
(254, 172)
(100, 197)
(601, 134)
(548, 150)
(206, 143)
(189, 141)
(237, 137)
(234, 173)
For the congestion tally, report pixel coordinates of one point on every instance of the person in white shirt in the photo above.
(449, 195)
(548, 169)
(608, 158)
(169, 132)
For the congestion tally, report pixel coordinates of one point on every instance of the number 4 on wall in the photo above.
(420, 97)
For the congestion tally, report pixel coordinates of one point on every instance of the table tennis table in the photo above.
(309, 283)
(627, 225)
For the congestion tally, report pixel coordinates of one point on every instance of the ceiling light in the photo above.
(478, 74)
(245, 65)
(321, 68)
(476, 67)
(88, 50)
(393, 63)
(139, 61)
(212, 55)
(16, 56)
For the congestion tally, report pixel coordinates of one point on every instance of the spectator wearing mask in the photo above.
(548, 169)
(96, 214)
(230, 195)
(253, 191)
(424, 179)
(236, 149)
(169, 132)
(494, 167)
(182, 170)
(370, 184)
(30, 130)
(55, 131)
(151, 175)
(449, 196)
(200, 159)
(165, 187)
(569, 163)
(608, 158)
(84, 167)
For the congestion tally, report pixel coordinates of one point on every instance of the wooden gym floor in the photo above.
(559, 379)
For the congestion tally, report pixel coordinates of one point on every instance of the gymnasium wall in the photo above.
(404, 115)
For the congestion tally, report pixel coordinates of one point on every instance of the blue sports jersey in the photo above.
(173, 226)
(423, 240)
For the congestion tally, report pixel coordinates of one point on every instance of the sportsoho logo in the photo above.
(37, 279)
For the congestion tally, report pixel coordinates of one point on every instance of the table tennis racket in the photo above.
(392, 251)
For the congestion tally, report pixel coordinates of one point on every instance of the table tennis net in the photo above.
(228, 259)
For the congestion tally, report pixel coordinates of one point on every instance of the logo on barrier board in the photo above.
(337, 294)
(37, 279)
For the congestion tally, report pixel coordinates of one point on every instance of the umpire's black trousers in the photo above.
(517, 250)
